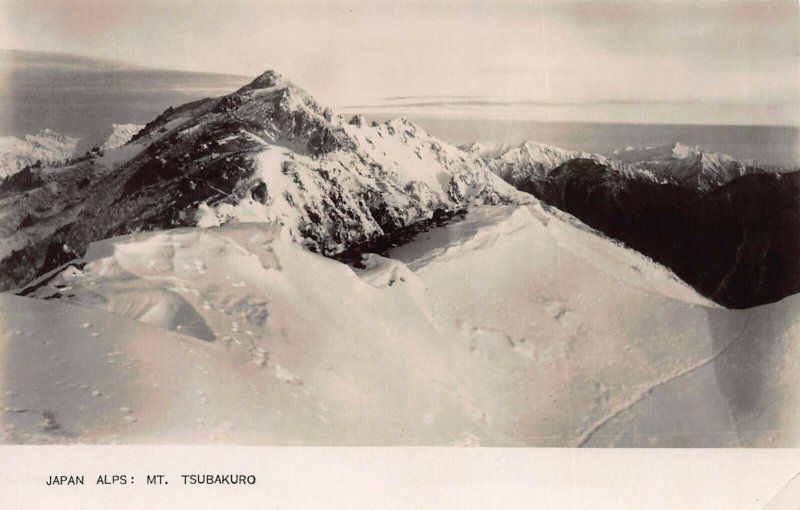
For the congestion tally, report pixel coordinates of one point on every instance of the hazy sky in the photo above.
(709, 61)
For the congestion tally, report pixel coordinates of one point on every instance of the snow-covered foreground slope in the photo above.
(287, 347)
(581, 337)
(516, 326)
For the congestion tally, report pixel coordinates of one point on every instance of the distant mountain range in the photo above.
(687, 166)
(48, 147)
(44, 147)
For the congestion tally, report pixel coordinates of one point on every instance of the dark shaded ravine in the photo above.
(738, 244)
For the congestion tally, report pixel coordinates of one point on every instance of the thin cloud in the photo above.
(444, 102)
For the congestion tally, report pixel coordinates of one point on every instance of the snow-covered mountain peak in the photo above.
(404, 128)
(265, 80)
(49, 139)
(663, 152)
(44, 147)
(46, 134)
(516, 163)
(268, 153)
(283, 95)
(687, 165)
(684, 151)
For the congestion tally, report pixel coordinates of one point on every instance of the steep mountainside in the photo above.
(45, 147)
(267, 152)
(738, 244)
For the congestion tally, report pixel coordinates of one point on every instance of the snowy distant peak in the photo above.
(687, 165)
(271, 86)
(45, 147)
(668, 152)
(47, 139)
(516, 163)
(109, 137)
(267, 79)
(49, 147)
(527, 152)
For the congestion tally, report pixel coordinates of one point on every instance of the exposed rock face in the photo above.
(267, 152)
(738, 244)
(357, 120)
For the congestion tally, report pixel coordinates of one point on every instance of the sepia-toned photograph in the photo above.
(400, 223)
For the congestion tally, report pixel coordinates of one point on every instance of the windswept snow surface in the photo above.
(302, 350)
(515, 326)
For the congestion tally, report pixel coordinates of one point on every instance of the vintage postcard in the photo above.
(522, 226)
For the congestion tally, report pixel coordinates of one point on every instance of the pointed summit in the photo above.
(265, 80)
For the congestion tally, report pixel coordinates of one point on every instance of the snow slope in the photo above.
(580, 332)
(109, 137)
(745, 394)
(45, 146)
(515, 326)
(288, 347)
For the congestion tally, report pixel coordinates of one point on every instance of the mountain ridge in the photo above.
(266, 152)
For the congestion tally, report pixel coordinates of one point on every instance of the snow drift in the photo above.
(516, 326)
